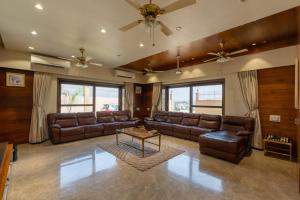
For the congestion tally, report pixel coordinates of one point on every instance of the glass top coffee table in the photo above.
(139, 133)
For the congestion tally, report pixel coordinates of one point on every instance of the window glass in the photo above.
(208, 95)
(205, 110)
(76, 94)
(179, 99)
(72, 109)
(107, 99)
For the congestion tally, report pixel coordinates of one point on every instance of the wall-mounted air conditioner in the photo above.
(124, 74)
(49, 61)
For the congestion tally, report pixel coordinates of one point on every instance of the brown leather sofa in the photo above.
(76, 126)
(233, 140)
(183, 125)
(226, 137)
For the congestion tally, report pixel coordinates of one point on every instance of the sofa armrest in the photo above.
(148, 119)
(244, 133)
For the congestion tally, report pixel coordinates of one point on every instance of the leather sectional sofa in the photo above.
(226, 137)
(76, 126)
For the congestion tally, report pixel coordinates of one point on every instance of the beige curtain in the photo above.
(38, 129)
(156, 94)
(249, 87)
(129, 93)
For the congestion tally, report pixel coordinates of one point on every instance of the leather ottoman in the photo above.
(223, 144)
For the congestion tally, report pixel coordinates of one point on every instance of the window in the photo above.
(179, 99)
(202, 97)
(208, 99)
(107, 99)
(87, 97)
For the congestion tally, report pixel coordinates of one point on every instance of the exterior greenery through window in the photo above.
(80, 96)
(201, 97)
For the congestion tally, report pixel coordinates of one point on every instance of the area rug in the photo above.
(134, 157)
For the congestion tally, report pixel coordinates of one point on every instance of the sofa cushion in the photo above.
(178, 128)
(121, 118)
(164, 126)
(93, 128)
(196, 131)
(210, 121)
(127, 124)
(87, 118)
(190, 119)
(65, 123)
(223, 141)
(160, 116)
(106, 119)
(71, 131)
(111, 126)
(235, 124)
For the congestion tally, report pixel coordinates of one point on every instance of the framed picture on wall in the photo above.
(138, 90)
(15, 79)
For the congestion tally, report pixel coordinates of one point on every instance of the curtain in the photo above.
(249, 87)
(129, 92)
(38, 128)
(156, 94)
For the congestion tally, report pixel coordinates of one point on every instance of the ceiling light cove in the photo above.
(34, 33)
(39, 6)
(31, 48)
(103, 31)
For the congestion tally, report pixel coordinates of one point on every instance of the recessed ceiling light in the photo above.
(265, 41)
(141, 45)
(193, 58)
(119, 55)
(73, 56)
(31, 48)
(34, 33)
(178, 28)
(39, 7)
(103, 31)
(253, 44)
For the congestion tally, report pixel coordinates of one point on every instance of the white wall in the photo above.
(20, 60)
(234, 104)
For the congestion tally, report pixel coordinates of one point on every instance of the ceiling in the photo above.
(64, 26)
(272, 32)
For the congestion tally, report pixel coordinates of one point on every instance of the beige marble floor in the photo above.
(80, 170)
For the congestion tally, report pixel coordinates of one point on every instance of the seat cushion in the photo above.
(181, 129)
(164, 126)
(128, 124)
(111, 126)
(71, 131)
(196, 131)
(223, 141)
(93, 128)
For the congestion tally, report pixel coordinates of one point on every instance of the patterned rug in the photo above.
(134, 157)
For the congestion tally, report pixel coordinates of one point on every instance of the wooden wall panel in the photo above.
(143, 101)
(276, 97)
(16, 107)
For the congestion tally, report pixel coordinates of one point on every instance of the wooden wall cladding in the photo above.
(16, 108)
(143, 101)
(276, 90)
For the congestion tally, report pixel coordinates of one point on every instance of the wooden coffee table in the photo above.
(141, 134)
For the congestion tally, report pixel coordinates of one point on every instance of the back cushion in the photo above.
(234, 123)
(105, 117)
(174, 118)
(86, 118)
(121, 118)
(66, 120)
(160, 116)
(210, 121)
(190, 119)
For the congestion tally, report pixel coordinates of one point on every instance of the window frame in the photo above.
(195, 84)
(86, 83)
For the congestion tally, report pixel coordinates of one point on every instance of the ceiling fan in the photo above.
(84, 61)
(222, 56)
(151, 11)
(148, 71)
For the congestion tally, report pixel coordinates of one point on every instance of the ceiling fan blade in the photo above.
(87, 59)
(237, 52)
(216, 58)
(165, 29)
(68, 59)
(96, 64)
(213, 54)
(157, 71)
(177, 5)
(131, 25)
(134, 4)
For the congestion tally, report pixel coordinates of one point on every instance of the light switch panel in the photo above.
(275, 118)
